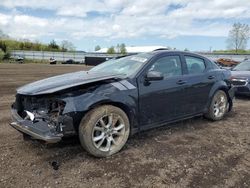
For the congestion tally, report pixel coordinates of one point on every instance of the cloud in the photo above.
(214, 9)
(121, 18)
(4, 19)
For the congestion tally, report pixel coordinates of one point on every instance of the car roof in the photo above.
(163, 51)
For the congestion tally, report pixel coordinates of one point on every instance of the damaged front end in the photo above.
(41, 117)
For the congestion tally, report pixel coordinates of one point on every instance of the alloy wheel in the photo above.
(108, 132)
(220, 105)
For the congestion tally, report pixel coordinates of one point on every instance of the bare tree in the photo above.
(67, 46)
(238, 37)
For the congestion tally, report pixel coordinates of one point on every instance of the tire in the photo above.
(218, 106)
(104, 130)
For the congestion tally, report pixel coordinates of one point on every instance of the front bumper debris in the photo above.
(39, 129)
(231, 92)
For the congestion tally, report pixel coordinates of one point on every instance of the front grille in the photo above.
(238, 82)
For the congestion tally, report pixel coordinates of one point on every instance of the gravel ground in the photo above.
(192, 153)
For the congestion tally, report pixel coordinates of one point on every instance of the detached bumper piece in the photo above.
(231, 92)
(39, 129)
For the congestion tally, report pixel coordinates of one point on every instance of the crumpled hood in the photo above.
(64, 81)
(241, 74)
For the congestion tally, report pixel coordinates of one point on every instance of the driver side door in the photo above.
(162, 100)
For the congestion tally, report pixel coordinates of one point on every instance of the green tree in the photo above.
(28, 45)
(37, 46)
(123, 49)
(53, 45)
(3, 46)
(238, 37)
(1, 54)
(21, 46)
(97, 48)
(7, 55)
(111, 50)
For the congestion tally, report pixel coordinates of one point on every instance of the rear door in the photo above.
(200, 79)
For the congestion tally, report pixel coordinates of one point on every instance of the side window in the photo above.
(169, 66)
(195, 65)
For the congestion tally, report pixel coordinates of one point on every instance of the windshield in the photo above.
(244, 66)
(126, 65)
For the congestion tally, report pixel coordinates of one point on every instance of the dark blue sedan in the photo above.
(120, 97)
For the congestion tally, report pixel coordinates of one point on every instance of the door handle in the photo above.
(211, 77)
(180, 82)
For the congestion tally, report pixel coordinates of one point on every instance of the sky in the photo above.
(198, 25)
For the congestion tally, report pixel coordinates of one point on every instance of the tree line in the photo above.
(118, 49)
(8, 44)
(12, 44)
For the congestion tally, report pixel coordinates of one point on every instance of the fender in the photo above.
(217, 86)
(105, 94)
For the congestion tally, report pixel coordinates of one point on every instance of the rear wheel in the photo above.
(218, 107)
(104, 130)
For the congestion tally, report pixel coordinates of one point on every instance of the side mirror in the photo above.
(154, 76)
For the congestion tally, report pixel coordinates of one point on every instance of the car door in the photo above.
(199, 82)
(162, 100)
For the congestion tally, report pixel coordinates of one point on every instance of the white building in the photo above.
(136, 49)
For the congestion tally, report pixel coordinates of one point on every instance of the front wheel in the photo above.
(104, 130)
(218, 107)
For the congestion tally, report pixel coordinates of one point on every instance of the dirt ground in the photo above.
(192, 153)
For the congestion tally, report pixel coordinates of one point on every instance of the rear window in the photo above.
(195, 65)
(214, 65)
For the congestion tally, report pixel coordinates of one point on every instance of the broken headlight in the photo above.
(42, 108)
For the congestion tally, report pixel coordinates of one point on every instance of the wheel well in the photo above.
(122, 106)
(228, 97)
